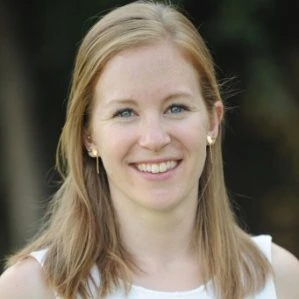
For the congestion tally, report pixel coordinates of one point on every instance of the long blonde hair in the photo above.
(82, 230)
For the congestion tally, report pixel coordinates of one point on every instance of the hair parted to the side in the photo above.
(82, 229)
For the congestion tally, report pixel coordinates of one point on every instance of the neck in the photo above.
(158, 237)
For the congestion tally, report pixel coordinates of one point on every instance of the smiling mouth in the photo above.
(157, 167)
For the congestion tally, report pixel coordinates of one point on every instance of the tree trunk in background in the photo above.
(20, 166)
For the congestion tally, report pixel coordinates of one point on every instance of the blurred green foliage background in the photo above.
(255, 42)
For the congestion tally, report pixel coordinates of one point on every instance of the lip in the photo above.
(160, 176)
(156, 160)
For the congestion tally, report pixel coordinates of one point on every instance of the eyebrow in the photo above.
(182, 94)
(130, 101)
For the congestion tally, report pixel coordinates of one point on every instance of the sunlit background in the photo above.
(255, 42)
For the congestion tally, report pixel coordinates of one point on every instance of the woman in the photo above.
(143, 211)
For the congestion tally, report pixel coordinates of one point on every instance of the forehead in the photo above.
(154, 66)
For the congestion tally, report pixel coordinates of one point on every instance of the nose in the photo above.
(154, 134)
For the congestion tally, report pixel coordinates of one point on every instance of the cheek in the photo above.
(193, 134)
(113, 142)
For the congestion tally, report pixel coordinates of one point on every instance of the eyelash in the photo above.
(119, 113)
(181, 107)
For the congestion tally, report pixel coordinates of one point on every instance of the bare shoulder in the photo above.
(286, 271)
(24, 280)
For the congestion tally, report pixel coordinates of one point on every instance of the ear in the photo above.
(87, 140)
(215, 119)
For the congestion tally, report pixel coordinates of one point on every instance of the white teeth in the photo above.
(158, 167)
(163, 167)
(155, 168)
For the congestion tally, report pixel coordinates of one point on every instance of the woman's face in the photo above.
(149, 125)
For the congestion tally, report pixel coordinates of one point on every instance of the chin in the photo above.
(162, 204)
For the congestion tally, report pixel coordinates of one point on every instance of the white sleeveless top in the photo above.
(203, 292)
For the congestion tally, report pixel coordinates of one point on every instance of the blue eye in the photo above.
(124, 113)
(176, 109)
